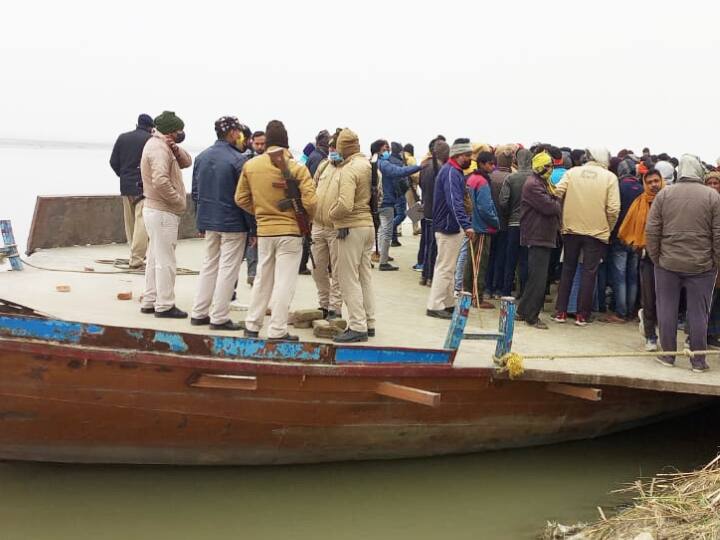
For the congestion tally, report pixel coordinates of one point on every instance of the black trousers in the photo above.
(593, 250)
(648, 300)
(533, 297)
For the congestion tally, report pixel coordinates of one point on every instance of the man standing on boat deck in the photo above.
(259, 192)
(591, 208)
(165, 201)
(351, 217)
(683, 242)
(226, 227)
(125, 161)
(450, 224)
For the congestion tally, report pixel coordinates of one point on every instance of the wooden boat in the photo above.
(86, 393)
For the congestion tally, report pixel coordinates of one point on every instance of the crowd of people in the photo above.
(626, 236)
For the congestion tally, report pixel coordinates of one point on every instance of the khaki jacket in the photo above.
(258, 193)
(352, 207)
(161, 173)
(591, 204)
(327, 193)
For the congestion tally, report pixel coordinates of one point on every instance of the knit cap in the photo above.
(168, 122)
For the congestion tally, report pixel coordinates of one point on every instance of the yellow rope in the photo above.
(512, 363)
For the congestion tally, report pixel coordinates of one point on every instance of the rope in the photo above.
(121, 270)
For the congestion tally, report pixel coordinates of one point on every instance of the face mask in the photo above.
(335, 157)
(179, 137)
(385, 154)
(546, 173)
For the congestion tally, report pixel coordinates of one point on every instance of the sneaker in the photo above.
(539, 324)
(651, 345)
(395, 243)
(172, 313)
(286, 337)
(390, 259)
(700, 368)
(147, 310)
(418, 267)
(663, 362)
(351, 336)
(438, 314)
(251, 280)
(423, 282)
(387, 267)
(200, 321)
(560, 317)
(450, 309)
(227, 325)
(613, 319)
(580, 320)
(304, 271)
(251, 334)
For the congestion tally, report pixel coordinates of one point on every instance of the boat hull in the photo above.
(70, 404)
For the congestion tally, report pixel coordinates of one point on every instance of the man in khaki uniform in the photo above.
(351, 217)
(165, 201)
(259, 192)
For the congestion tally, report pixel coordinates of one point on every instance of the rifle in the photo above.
(374, 199)
(293, 200)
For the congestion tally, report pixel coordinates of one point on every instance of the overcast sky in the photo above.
(615, 73)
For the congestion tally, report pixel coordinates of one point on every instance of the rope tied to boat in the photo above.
(512, 364)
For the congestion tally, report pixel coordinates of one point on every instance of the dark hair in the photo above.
(674, 161)
(663, 157)
(485, 157)
(555, 152)
(441, 138)
(431, 146)
(460, 141)
(258, 134)
(409, 148)
(650, 171)
(377, 145)
(247, 132)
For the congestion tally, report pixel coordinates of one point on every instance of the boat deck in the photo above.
(401, 319)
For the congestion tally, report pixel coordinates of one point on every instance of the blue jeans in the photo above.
(623, 263)
(460, 266)
(400, 214)
(495, 277)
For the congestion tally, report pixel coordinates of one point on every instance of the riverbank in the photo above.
(671, 506)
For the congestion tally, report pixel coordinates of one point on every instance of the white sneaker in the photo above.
(651, 345)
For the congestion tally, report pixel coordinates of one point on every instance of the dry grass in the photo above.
(676, 506)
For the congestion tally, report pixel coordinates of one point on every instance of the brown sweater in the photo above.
(162, 175)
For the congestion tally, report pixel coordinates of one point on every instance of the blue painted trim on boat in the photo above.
(231, 347)
(174, 341)
(48, 329)
(362, 355)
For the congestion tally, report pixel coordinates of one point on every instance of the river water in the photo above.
(496, 495)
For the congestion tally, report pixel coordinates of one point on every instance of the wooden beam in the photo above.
(408, 393)
(582, 392)
(226, 382)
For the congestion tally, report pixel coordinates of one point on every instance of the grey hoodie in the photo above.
(511, 192)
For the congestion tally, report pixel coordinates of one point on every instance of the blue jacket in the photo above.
(484, 219)
(391, 174)
(215, 177)
(630, 189)
(449, 216)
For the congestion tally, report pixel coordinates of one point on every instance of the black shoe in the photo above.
(304, 272)
(202, 321)
(332, 315)
(371, 332)
(450, 310)
(713, 341)
(325, 312)
(227, 325)
(251, 334)
(387, 267)
(395, 243)
(286, 337)
(390, 259)
(423, 282)
(438, 314)
(172, 313)
(351, 336)
(251, 280)
(147, 310)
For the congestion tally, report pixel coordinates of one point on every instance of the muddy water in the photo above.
(498, 495)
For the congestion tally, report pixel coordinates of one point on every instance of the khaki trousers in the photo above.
(443, 285)
(277, 275)
(355, 277)
(137, 236)
(219, 273)
(324, 250)
(162, 228)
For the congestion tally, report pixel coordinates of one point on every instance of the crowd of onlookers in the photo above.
(626, 237)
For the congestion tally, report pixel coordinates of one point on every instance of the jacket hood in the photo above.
(396, 149)
(504, 155)
(691, 168)
(599, 155)
(667, 171)
(348, 143)
(625, 168)
(524, 159)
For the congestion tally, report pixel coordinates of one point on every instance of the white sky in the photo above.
(615, 73)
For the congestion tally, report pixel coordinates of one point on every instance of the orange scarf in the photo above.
(632, 230)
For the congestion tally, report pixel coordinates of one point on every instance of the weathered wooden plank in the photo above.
(582, 392)
(408, 393)
(225, 382)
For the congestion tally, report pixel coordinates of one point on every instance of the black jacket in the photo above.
(125, 160)
(539, 214)
(215, 177)
(427, 185)
(511, 191)
(315, 159)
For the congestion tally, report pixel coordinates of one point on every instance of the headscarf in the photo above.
(691, 167)
(632, 230)
(542, 166)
